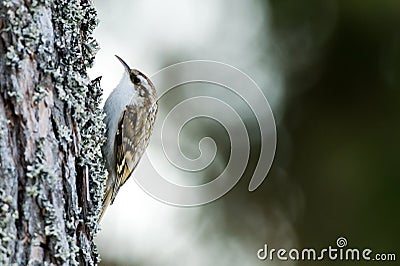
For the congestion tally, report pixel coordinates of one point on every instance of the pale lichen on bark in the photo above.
(51, 132)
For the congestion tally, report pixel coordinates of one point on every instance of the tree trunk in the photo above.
(51, 132)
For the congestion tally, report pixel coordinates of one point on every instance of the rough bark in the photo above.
(51, 131)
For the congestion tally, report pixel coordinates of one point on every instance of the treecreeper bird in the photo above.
(130, 111)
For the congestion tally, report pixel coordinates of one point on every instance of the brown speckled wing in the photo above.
(126, 141)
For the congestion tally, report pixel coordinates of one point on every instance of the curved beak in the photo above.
(127, 68)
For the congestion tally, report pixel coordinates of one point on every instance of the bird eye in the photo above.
(136, 79)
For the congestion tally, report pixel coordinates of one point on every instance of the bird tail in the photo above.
(106, 202)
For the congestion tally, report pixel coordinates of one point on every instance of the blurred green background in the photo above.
(342, 118)
(331, 71)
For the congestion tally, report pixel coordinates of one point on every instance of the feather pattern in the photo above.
(128, 135)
